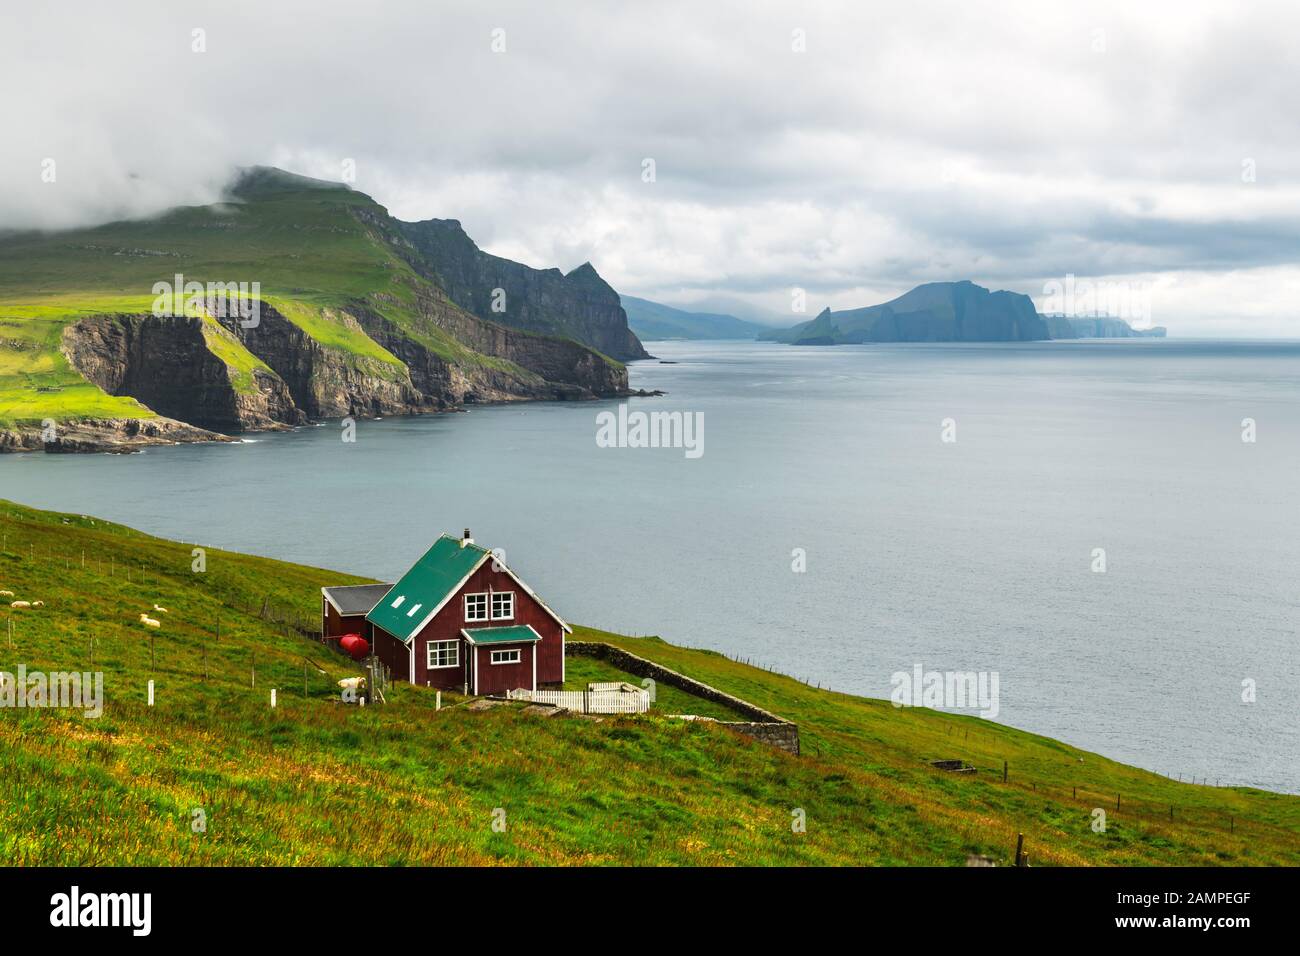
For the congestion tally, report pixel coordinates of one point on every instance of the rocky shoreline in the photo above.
(111, 435)
(126, 435)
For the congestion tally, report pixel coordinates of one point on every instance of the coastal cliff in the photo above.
(580, 305)
(352, 319)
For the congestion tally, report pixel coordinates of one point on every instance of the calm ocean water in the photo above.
(974, 555)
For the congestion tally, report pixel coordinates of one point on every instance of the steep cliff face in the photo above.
(326, 382)
(220, 376)
(168, 364)
(581, 305)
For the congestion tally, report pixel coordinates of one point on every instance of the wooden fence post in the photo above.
(1020, 846)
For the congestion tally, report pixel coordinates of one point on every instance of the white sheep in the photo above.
(20, 604)
(163, 610)
(38, 604)
(6, 593)
(148, 621)
(352, 683)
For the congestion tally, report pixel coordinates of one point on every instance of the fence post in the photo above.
(1020, 846)
(150, 693)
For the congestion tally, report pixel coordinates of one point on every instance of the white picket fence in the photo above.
(604, 698)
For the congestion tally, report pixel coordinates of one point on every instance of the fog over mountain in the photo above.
(849, 150)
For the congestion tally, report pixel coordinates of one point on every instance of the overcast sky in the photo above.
(1149, 145)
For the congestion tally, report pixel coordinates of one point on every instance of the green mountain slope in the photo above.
(317, 782)
(934, 312)
(653, 320)
(349, 320)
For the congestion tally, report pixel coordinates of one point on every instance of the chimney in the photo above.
(466, 539)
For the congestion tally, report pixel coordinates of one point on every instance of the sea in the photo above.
(1110, 528)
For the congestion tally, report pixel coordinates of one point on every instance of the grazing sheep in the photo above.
(148, 621)
(353, 683)
(160, 609)
(20, 604)
(38, 604)
(6, 593)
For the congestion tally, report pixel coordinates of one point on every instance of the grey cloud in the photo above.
(826, 169)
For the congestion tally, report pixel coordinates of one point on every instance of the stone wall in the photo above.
(763, 725)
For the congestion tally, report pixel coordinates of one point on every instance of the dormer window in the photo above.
(503, 605)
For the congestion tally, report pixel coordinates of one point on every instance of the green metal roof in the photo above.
(514, 634)
(422, 589)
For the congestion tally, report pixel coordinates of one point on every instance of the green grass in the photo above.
(241, 362)
(36, 381)
(318, 782)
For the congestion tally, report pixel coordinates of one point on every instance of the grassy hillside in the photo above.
(316, 781)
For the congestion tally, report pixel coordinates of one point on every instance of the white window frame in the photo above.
(493, 608)
(487, 607)
(432, 649)
(518, 652)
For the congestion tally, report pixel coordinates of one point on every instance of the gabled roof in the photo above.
(511, 634)
(352, 599)
(412, 602)
(421, 591)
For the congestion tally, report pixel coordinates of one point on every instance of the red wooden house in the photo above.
(458, 619)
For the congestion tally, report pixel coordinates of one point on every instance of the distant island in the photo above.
(951, 312)
(1109, 327)
(655, 321)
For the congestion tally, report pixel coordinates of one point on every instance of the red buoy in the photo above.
(354, 645)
